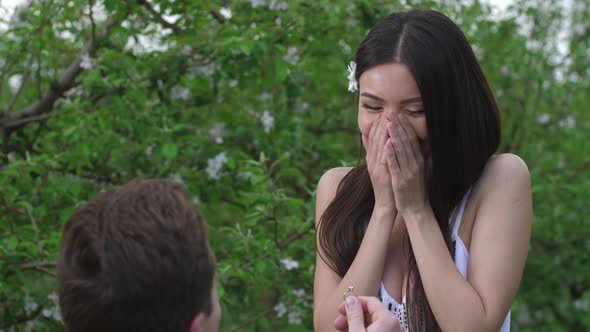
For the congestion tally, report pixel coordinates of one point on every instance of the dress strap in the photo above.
(460, 214)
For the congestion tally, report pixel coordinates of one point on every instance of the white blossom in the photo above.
(31, 325)
(294, 317)
(267, 121)
(299, 292)
(574, 77)
(177, 177)
(581, 304)
(180, 92)
(345, 47)
(52, 297)
(52, 312)
(30, 304)
(15, 81)
(47, 313)
(86, 62)
(568, 123)
(76, 91)
(277, 5)
(265, 96)
(291, 57)
(579, 28)
(245, 175)
(257, 3)
(215, 164)
(352, 83)
(216, 133)
(225, 12)
(533, 45)
(233, 83)
(477, 50)
(149, 150)
(543, 119)
(525, 317)
(280, 309)
(351, 22)
(289, 263)
(207, 70)
(304, 106)
(186, 50)
(505, 71)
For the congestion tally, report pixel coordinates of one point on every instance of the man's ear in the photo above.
(197, 322)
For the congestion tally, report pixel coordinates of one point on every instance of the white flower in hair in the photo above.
(353, 85)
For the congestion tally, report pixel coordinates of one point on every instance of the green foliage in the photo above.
(248, 111)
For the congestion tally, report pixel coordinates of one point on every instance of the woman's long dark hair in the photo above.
(463, 130)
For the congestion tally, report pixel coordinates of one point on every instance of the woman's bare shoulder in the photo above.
(328, 185)
(508, 169)
(505, 176)
(331, 179)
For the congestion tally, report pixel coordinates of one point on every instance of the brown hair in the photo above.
(463, 129)
(135, 258)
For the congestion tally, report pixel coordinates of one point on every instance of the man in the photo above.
(136, 258)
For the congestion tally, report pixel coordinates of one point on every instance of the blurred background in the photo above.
(246, 104)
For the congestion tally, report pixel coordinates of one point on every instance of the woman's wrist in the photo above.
(383, 212)
(420, 215)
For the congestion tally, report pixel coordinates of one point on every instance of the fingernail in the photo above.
(350, 302)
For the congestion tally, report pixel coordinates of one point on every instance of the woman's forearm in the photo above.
(460, 309)
(365, 272)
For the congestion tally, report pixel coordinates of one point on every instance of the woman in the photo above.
(434, 224)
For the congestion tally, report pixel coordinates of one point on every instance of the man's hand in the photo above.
(365, 313)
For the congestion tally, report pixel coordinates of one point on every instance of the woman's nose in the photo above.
(390, 115)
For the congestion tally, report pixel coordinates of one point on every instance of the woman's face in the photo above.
(390, 88)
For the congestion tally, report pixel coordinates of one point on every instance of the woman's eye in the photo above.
(414, 112)
(374, 108)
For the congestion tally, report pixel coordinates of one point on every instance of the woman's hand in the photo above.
(375, 144)
(406, 166)
(365, 314)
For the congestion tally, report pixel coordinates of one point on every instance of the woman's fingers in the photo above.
(410, 134)
(398, 145)
(384, 152)
(380, 140)
(392, 161)
(370, 145)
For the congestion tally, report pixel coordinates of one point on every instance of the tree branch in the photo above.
(3, 79)
(41, 264)
(158, 17)
(57, 88)
(33, 222)
(19, 122)
(22, 84)
(92, 23)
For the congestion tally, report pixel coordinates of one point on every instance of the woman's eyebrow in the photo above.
(410, 100)
(403, 101)
(366, 94)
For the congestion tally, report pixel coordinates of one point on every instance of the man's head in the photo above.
(136, 258)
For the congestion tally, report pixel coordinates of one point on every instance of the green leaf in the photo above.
(12, 243)
(281, 70)
(170, 151)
